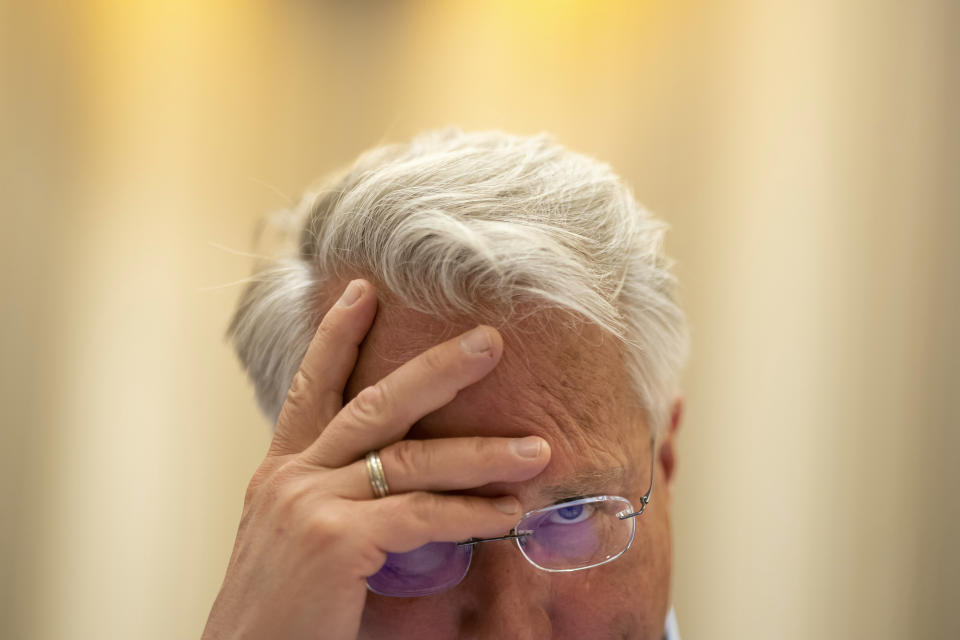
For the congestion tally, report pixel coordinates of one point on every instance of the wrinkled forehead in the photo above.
(554, 379)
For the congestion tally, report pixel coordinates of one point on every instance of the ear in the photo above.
(668, 444)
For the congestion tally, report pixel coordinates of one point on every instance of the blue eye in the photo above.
(572, 514)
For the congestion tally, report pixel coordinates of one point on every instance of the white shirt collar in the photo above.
(671, 632)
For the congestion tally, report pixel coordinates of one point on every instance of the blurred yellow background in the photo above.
(806, 155)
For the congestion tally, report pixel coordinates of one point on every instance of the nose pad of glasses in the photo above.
(434, 567)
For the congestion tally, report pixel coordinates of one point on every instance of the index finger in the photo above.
(316, 392)
(383, 413)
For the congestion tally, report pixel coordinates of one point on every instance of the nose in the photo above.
(504, 596)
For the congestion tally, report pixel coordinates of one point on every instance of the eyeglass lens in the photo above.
(573, 535)
(434, 567)
(576, 535)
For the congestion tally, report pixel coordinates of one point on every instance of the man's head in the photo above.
(551, 248)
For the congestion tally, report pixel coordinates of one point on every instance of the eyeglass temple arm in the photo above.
(509, 536)
(645, 499)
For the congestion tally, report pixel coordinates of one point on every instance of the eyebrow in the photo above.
(585, 483)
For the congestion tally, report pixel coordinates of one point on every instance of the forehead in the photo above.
(562, 382)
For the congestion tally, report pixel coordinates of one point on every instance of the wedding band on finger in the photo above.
(378, 481)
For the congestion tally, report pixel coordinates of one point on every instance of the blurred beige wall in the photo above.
(807, 156)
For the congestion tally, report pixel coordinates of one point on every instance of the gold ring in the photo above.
(375, 470)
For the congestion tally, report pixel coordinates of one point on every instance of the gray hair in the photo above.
(485, 225)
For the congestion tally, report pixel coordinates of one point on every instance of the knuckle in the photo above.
(287, 493)
(298, 402)
(300, 385)
(261, 483)
(486, 449)
(325, 330)
(369, 405)
(422, 507)
(291, 487)
(433, 361)
(260, 475)
(409, 456)
(326, 525)
(251, 494)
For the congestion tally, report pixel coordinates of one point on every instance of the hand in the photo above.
(311, 530)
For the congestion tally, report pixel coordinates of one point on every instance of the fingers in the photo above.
(450, 464)
(401, 523)
(316, 392)
(383, 413)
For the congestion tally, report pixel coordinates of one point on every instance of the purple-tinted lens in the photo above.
(434, 567)
(576, 535)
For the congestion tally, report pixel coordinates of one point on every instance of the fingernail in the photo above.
(477, 341)
(352, 294)
(507, 504)
(528, 447)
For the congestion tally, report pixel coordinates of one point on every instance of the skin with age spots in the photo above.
(567, 386)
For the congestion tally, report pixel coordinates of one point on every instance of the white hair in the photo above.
(479, 225)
